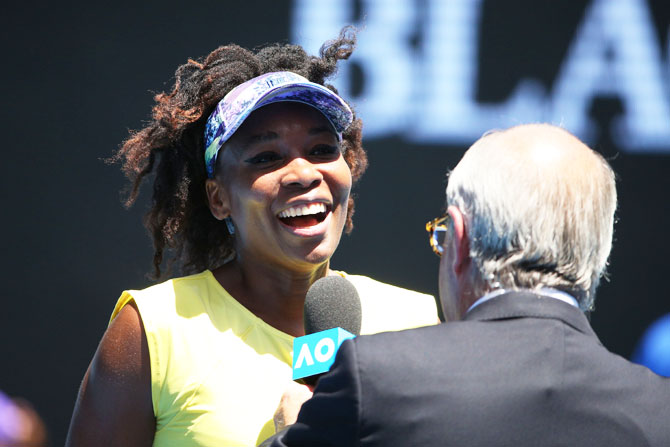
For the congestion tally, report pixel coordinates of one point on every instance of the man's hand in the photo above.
(289, 406)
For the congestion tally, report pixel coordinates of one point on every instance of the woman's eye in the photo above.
(325, 150)
(263, 157)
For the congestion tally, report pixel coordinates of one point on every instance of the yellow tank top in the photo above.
(218, 371)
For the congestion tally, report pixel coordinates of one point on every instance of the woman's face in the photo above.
(285, 185)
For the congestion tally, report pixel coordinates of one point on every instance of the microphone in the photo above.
(332, 314)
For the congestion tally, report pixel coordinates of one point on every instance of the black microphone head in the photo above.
(331, 302)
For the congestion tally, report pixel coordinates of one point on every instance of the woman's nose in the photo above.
(301, 173)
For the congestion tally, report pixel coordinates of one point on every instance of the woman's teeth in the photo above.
(303, 210)
(304, 215)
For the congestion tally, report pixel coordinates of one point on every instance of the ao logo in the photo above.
(426, 93)
(316, 352)
(319, 353)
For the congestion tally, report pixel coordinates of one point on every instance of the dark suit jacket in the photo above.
(520, 370)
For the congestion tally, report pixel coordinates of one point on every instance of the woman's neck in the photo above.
(275, 295)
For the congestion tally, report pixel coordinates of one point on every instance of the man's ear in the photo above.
(217, 197)
(461, 240)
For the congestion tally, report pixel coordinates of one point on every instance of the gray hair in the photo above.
(536, 218)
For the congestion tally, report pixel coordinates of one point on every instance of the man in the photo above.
(529, 224)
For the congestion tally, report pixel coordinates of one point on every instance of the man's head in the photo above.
(530, 207)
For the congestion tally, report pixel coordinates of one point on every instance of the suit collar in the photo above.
(532, 304)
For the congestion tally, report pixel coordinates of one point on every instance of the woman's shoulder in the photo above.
(373, 288)
(177, 285)
(388, 307)
(165, 297)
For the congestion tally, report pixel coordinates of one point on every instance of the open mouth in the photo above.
(304, 215)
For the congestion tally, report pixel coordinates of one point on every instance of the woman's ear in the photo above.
(217, 197)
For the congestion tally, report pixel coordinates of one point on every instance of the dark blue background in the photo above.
(76, 77)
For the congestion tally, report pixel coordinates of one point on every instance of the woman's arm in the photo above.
(114, 406)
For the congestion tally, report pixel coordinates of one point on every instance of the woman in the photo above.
(254, 160)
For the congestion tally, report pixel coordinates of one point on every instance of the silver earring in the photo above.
(230, 225)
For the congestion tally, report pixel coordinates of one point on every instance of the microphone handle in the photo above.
(310, 381)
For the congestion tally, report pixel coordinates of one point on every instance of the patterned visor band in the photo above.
(278, 86)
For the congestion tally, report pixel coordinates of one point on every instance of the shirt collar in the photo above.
(545, 291)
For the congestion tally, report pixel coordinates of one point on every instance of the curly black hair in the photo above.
(171, 146)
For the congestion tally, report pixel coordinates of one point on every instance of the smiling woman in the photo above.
(287, 191)
(254, 159)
